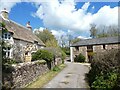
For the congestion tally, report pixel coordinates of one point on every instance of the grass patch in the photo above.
(45, 78)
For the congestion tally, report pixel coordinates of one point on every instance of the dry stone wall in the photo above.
(24, 73)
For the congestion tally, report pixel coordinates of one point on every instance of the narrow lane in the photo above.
(73, 76)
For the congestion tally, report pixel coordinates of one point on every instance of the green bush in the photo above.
(79, 58)
(105, 69)
(57, 52)
(66, 50)
(63, 56)
(105, 81)
(42, 54)
(10, 61)
(56, 68)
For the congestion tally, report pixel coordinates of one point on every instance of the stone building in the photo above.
(20, 39)
(88, 47)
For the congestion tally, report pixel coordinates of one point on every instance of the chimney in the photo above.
(4, 14)
(29, 26)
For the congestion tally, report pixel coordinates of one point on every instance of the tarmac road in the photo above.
(73, 76)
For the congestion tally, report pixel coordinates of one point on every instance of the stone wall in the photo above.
(58, 61)
(98, 48)
(113, 46)
(82, 50)
(21, 74)
(24, 73)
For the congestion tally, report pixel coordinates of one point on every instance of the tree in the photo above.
(107, 31)
(70, 37)
(75, 40)
(66, 40)
(93, 31)
(48, 38)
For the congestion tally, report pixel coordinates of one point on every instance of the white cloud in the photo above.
(7, 4)
(58, 34)
(64, 15)
(83, 37)
(37, 30)
(93, 7)
(106, 16)
(85, 6)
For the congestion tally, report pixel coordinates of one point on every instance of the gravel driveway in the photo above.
(73, 76)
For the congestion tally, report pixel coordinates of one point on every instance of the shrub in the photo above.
(10, 61)
(79, 58)
(63, 56)
(43, 54)
(66, 50)
(56, 68)
(105, 69)
(57, 52)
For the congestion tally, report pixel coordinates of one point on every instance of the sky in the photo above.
(62, 17)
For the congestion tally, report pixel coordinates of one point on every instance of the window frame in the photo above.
(90, 47)
(77, 48)
(7, 36)
(7, 52)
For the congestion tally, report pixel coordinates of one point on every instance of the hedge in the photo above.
(42, 55)
(105, 70)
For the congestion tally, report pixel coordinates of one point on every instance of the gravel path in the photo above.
(73, 76)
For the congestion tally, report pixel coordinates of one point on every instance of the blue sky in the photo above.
(24, 12)
(71, 17)
(21, 13)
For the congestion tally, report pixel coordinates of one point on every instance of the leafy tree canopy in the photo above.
(48, 38)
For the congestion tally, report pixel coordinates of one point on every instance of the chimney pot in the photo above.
(29, 26)
(4, 14)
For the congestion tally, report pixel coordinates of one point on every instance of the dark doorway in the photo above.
(90, 53)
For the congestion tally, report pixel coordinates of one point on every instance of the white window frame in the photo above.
(7, 36)
(7, 52)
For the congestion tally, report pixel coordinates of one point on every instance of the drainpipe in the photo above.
(71, 54)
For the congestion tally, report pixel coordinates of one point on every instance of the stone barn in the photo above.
(88, 47)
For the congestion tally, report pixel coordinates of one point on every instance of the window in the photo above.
(7, 36)
(90, 47)
(35, 44)
(104, 46)
(77, 48)
(7, 52)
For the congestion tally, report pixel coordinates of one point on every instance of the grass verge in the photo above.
(45, 78)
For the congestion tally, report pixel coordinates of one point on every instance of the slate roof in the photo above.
(21, 32)
(98, 41)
